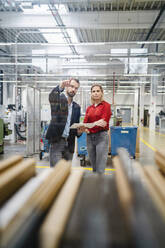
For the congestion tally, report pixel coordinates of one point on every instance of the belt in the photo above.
(98, 132)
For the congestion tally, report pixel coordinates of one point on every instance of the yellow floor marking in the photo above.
(79, 167)
(75, 168)
(110, 169)
(42, 166)
(147, 144)
(90, 169)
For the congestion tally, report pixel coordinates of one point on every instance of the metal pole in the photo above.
(113, 101)
(16, 71)
(113, 88)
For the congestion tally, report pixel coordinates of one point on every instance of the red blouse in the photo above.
(101, 111)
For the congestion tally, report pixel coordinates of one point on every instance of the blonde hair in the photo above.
(101, 88)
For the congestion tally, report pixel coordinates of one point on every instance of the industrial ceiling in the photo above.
(108, 34)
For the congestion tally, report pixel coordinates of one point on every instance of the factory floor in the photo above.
(149, 142)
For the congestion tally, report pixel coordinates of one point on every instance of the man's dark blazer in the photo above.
(59, 114)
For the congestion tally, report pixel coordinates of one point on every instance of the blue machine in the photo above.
(82, 148)
(123, 137)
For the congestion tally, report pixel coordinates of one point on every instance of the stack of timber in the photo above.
(13, 174)
(142, 193)
(160, 160)
(67, 208)
(22, 214)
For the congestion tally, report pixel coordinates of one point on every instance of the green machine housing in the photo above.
(4, 131)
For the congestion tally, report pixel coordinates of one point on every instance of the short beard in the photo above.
(71, 94)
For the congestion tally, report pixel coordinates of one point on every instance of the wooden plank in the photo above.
(123, 186)
(7, 163)
(16, 176)
(16, 202)
(157, 180)
(151, 189)
(45, 194)
(54, 225)
(160, 160)
(25, 223)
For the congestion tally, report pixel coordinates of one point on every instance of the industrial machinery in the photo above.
(4, 131)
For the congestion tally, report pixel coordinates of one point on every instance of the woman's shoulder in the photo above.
(106, 103)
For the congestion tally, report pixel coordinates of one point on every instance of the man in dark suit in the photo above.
(64, 112)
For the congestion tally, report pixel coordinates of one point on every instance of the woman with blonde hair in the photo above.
(99, 113)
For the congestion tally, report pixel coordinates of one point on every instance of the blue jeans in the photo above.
(58, 151)
(98, 146)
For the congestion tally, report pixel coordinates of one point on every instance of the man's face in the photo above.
(72, 88)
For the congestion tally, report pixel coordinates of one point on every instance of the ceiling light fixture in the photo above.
(86, 43)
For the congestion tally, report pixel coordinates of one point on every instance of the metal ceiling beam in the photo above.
(99, 20)
(76, 1)
(65, 1)
(154, 24)
(79, 58)
(86, 44)
(60, 23)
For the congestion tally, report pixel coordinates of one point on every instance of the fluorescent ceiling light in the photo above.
(96, 43)
(48, 86)
(74, 44)
(15, 63)
(108, 64)
(57, 36)
(42, 9)
(89, 86)
(97, 77)
(88, 43)
(8, 81)
(132, 82)
(139, 50)
(125, 93)
(150, 42)
(50, 30)
(158, 92)
(127, 86)
(39, 52)
(6, 44)
(54, 37)
(141, 75)
(83, 64)
(120, 51)
(26, 5)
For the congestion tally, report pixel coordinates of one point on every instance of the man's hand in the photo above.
(65, 83)
(101, 123)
